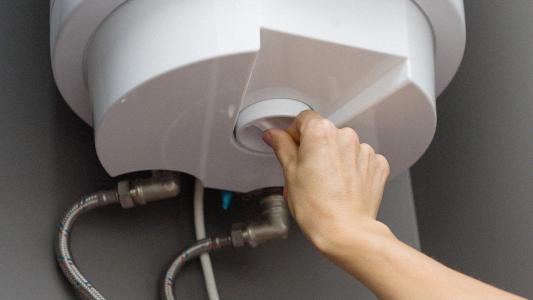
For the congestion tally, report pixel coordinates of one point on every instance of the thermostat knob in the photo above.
(258, 117)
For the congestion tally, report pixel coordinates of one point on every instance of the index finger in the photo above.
(296, 127)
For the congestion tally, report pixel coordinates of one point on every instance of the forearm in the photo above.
(334, 188)
(393, 270)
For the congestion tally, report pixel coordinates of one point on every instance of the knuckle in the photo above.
(348, 134)
(383, 163)
(304, 113)
(320, 128)
(324, 124)
(367, 149)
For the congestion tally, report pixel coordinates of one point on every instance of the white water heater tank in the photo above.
(189, 85)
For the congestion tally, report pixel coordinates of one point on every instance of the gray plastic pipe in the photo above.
(199, 228)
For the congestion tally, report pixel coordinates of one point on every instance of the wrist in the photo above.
(362, 235)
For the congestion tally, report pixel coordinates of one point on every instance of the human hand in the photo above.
(334, 184)
(334, 187)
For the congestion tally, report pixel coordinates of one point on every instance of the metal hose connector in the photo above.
(63, 255)
(197, 249)
(275, 225)
(162, 185)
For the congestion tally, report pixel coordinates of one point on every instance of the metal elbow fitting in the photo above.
(276, 224)
(139, 192)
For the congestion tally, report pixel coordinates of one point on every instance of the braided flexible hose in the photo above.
(63, 255)
(197, 249)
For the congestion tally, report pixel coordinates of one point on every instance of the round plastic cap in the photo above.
(258, 117)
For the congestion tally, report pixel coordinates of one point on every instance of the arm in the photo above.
(334, 187)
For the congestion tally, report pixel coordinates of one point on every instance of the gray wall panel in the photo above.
(474, 186)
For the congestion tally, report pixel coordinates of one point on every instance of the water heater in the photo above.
(189, 85)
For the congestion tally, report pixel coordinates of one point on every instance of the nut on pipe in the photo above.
(142, 191)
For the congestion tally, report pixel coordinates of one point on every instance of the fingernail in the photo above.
(267, 137)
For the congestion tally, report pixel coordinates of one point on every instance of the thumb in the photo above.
(283, 145)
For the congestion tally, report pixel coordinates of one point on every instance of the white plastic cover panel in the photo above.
(164, 80)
